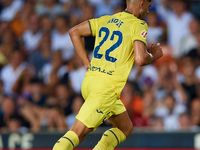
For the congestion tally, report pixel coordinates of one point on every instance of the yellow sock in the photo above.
(110, 139)
(67, 142)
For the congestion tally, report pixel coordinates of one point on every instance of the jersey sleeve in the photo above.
(93, 26)
(140, 32)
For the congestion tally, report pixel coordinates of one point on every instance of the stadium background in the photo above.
(41, 75)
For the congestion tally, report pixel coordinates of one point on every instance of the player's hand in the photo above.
(156, 50)
(87, 65)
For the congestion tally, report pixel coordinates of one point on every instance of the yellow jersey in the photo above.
(113, 51)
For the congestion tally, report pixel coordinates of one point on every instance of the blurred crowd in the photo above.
(41, 74)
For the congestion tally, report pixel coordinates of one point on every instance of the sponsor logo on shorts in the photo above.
(99, 111)
(104, 119)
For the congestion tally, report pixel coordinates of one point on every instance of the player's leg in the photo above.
(99, 102)
(78, 131)
(122, 129)
(73, 137)
(113, 137)
(122, 122)
(81, 130)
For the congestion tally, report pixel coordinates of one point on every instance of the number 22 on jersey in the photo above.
(112, 48)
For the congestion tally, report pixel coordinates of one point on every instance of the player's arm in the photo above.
(142, 56)
(77, 33)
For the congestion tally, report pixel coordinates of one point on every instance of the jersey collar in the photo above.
(128, 12)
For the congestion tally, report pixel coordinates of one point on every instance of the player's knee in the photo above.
(128, 130)
(81, 138)
(84, 134)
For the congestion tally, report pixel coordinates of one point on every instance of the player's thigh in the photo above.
(121, 119)
(96, 109)
(99, 102)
